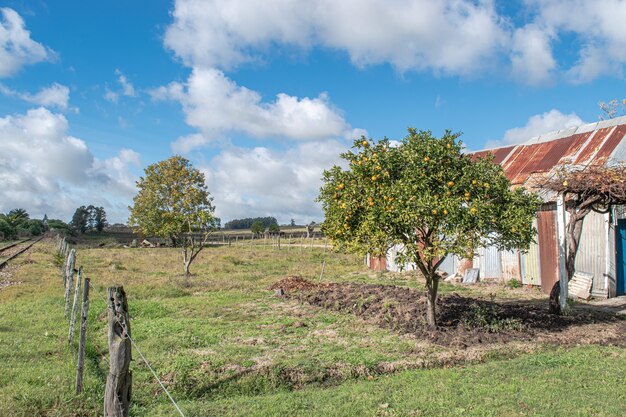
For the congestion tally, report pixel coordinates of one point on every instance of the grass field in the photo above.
(225, 345)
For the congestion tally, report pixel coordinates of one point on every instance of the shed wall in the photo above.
(548, 247)
(591, 256)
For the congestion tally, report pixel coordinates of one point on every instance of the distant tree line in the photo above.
(90, 218)
(17, 223)
(266, 222)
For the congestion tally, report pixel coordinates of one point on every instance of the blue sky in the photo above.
(262, 96)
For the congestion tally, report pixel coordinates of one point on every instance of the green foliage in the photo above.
(7, 231)
(257, 227)
(60, 225)
(89, 218)
(34, 226)
(247, 222)
(274, 228)
(488, 316)
(173, 200)
(427, 195)
(514, 283)
(17, 216)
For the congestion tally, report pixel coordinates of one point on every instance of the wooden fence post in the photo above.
(82, 339)
(118, 386)
(69, 279)
(79, 278)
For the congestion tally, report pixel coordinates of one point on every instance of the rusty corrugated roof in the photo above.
(592, 144)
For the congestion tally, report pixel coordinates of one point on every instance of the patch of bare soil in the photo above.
(462, 321)
(296, 283)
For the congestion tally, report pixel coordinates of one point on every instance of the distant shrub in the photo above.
(514, 283)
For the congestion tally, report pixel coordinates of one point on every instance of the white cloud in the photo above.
(111, 96)
(451, 36)
(215, 105)
(126, 88)
(45, 170)
(598, 27)
(265, 182)
(538, 124)
(54, 96)
(16, 47)
(531, 58)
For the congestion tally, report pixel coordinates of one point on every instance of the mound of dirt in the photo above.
(296, 283)
(462, 321)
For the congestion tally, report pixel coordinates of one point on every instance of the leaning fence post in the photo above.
(79, 278)
(69, 279)
(118, 386)
(82, 338)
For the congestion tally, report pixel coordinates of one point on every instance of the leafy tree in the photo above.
(7, 231)
(173, 202)
(34, 227)
(60, 225)
(257, 227)
(80, 219)
(247, 222)
(292, 222)
(45, 222)
(17, 216)
(98, 218)
(428, 196)
(273, 228)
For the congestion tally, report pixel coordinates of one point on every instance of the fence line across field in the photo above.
(113, 407)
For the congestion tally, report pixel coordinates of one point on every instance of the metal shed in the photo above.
(599, 144)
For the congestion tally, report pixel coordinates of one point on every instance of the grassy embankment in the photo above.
(226, 346)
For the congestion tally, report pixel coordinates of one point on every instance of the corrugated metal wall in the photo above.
(510, 262)
(529, 263)
(489, 263)
(591, 256)
(450, 265)
(548, 247)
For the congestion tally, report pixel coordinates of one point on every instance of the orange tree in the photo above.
(427, 196)
(173, 202)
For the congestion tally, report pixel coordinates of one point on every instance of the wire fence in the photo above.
(68, 272)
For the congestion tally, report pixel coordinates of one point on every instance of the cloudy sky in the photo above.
(263, 95)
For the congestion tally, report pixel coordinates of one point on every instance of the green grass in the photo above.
(225, 345)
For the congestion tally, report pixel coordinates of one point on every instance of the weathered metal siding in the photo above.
(510, 263)
(450, 265)
(490, 265)
(378, 263)
(592, 249)
(529, 263)
(548, 249)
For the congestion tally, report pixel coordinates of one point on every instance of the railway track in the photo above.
(9, 252)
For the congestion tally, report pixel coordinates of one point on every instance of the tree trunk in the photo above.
(186, 261)
(573, 232)
(432, 284)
